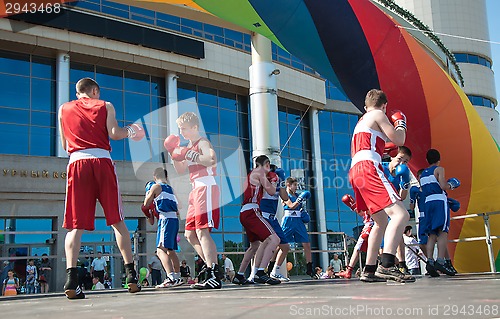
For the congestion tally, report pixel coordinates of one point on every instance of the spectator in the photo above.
(228, 268)
(98, 267)
(97, 284)
(155, 268)
(10, 284)
(185, 271)
(44, 274)
(336, 263)
(31, 276)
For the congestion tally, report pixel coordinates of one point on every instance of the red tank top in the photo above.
(253, 194)
(198, 170)
(365, 138)
(84, 124)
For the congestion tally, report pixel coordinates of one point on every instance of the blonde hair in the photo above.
(375, 98)
(189, 118)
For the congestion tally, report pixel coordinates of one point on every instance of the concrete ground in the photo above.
(462, 296)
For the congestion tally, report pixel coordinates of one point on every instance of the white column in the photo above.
(318, 177)
(172, 110)
(264, 101)
(62, 94)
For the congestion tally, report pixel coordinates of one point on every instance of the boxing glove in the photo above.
(304, 216)
(398, 119)
(414, 190)
(135, 132)
(305, 195)
(391, 149)
(453, 204)
(349, 201)
(149, 185)
(281, 174)
(146, 211)
(171, 143)
(403, 172)
(453, 182)
(184, 153)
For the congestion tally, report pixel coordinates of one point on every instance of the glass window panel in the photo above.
(116, 98)
(135, 82)
(168, 25)
(213, 29)
(41, 141)
(326, 142)
(283, 133)
(342, 143)
(209, 119)
(168, 17)
(157, 103)
(340, 122)
(185, 91)
(330, 197)
(353, 120)
(143, 19)
(232, 224)
(158, 86)
(229, 122)
(461, 57)
(114, 5)
(109, 78)
(16, 116)
(347, 216)
(14, 63)
(234, 242)
(333, 226)
(192, 24)
(233, 35)
(296, 136)
(282, 115)
(325, 121)
(214, 139)
(15, 139)
(79, 71)
(230, 210)
(228, 141)
(482, 61)
(43, 95)
(217, 237)
(15, 91)
(296, 154)
(227, 101)
(136, 106)
(349, 228)
(141, 11)
(207, 96)
(473, 59)
(43, 68)
(43, 119)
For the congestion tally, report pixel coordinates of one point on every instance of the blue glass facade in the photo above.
(27, 106)
(335, 138)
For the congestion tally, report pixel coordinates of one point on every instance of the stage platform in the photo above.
(462, 296)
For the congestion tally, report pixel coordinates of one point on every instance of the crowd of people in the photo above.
(35, 279)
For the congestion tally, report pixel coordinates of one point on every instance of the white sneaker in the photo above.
(280, 277)
(178, 282)
(167, 283)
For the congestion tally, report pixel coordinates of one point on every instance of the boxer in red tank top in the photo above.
(372, 190)
(86, 125)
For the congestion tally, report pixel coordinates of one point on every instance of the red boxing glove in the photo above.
(273, 178)
(184, 153)
(135, 132)
(349, 201)
(391, 149)
(146, 211)
(171, 142)
(398, 119)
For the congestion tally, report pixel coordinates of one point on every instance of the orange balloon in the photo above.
(289, 266)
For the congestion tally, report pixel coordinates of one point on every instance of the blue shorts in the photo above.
(295, 230)
(277, 229)
(437, 215)
(422, 235)
(166, 235)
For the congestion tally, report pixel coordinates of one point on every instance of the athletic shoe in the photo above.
(240, 280)
(210, 283)
(202, 274)
(71, 288)
(444, 269)
(450, 266)
(347, 274)
(265, 279)
(370, 277)
(393, 273)
(309, 270)
(280, 277)
(132, 281)
(167, 283)
(430, 268)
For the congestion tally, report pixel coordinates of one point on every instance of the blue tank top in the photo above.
(293, 198)
(429, 183)
(394, 180)
(269, 203)
(166, 201)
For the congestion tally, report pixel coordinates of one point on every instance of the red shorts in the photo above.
(89, 180)
(256, 227)
(203, 208)
(372, 190)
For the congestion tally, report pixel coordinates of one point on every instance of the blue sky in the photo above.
(493, 7)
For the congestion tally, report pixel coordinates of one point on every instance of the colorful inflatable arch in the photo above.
(358, 46)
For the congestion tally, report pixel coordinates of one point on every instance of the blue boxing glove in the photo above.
(414, 190)
(281, 174)
(149, 185)
(453, 182)
(453, 204)
(403, 172)
(305, 195)
(304, 216)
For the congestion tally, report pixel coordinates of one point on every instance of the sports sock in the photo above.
(387, 260)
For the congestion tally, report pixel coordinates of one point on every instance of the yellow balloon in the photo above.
(289, 266)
